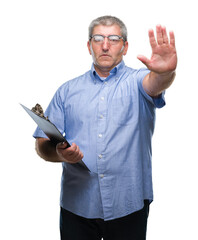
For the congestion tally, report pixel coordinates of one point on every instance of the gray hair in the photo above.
(108, 21)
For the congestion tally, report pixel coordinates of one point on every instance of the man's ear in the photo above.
(89, 47)
(126, 45)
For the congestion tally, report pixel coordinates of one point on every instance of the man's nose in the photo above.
(105, 45)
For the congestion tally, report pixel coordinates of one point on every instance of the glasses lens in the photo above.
(114, 39)
(98, 38)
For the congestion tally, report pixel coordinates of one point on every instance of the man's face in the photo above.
(106, 55)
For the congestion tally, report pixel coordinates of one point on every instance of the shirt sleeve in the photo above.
(158, 102)
(55, 114)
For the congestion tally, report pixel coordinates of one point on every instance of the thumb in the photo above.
(62, 145)
(144, 60)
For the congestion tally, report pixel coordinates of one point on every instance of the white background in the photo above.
(42, 45)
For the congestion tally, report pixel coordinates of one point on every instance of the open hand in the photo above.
(164, 56)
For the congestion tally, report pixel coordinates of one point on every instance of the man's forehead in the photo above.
(107, 30)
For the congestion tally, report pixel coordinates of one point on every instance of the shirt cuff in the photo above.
(158, 102)
(39, 133)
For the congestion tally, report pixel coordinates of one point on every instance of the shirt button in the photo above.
(102, 98)
(101, 116)
(99, 135)
(100, 156)
(101, 175)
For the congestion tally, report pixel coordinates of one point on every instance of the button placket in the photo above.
(102, 108)
(104, 176)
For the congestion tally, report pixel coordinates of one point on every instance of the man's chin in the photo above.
(105, 64)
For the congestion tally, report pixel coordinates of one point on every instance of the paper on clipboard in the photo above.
(50, 130)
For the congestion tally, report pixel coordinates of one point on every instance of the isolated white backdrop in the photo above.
(42, 45)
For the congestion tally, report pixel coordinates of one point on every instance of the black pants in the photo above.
(131, 227)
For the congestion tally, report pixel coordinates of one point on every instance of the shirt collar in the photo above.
(116, 71)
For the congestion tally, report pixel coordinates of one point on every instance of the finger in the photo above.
(62, 145)
(165, 37)
(71, 149)
(159, 34)
(144, 60)
(74, 150)
(172, 38)
(77, 149)
(77, 153)
(81, 155)
(78, 158)
(74, 147)
(74, 158)
(63, 150)
(152, 40)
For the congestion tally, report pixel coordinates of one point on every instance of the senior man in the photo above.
(108, 114)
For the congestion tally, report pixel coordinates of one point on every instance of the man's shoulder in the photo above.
(134, 75)
(74, 82)
(74, 85)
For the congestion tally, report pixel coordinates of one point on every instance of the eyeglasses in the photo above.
(99, 39)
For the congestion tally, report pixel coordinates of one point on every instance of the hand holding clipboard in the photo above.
(49, 129)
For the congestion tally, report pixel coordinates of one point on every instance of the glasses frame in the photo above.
(120, 37)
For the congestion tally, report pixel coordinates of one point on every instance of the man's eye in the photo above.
(98, 38)
(114, 38)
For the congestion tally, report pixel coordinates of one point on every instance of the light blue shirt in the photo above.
(112, 121)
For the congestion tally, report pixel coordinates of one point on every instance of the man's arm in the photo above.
(58, 153)
(162, 64)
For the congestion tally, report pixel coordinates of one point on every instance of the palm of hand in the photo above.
(164, 56)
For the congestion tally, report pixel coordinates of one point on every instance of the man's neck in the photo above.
(102, 72)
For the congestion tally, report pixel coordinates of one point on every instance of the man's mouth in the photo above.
(105, 55)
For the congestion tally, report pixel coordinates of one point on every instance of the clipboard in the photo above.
(50, 130)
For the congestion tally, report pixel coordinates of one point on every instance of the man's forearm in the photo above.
(47, 150)
(155, 83)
